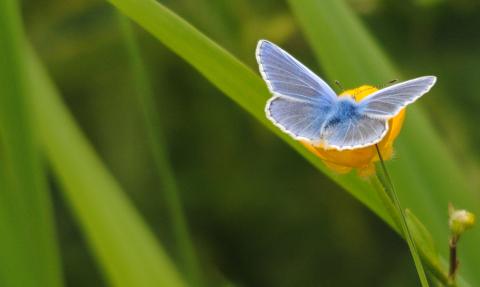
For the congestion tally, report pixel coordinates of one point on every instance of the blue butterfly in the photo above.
(306, 108)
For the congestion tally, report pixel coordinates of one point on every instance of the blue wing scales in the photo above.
(388, 102)
(287, 77)
(352, 132)
(300, 119)
(302, 101)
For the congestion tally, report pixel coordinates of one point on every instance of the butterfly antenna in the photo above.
(339, 84)
(354, 96)
(388, 83)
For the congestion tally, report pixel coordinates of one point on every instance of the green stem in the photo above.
(406, 231)
(145, 95)
(453, 257)
(436, 270)
(378, 184)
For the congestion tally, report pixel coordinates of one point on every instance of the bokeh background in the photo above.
(258, 213)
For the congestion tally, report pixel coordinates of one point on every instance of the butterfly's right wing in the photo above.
(366, 123)
(388, 102)
(287, 77)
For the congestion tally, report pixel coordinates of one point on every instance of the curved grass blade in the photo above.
(28, 245)
(425, 173)
(124, 246)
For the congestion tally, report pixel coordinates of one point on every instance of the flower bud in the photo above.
(460, 220)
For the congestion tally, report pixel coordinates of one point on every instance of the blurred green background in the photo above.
(258, 213)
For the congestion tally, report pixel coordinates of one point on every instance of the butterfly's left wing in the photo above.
(388, 102)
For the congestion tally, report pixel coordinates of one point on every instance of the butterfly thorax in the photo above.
(345, 109)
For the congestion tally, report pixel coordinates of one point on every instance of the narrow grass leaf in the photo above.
(28, 245)
(423, 238)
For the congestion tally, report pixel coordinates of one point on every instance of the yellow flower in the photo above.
(361, 159)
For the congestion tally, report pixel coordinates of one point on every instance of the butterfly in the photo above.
(306, 108)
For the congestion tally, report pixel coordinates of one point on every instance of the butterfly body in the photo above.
(306, 108)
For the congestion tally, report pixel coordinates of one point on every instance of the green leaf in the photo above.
(124, 246)
(423, 238)
(425, 173)
(28, 246)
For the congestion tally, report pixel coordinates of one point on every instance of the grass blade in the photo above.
(125, 248)
(28, 246)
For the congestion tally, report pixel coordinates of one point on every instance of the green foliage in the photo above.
(424, 241)
(425, 172)
(126, 249)
(389, 189)
(423, 238)
(245, 87)
(28, 248)
(335, 37)
(153, 126)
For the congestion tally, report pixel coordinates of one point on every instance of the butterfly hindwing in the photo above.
(301, 119)
(348, 128)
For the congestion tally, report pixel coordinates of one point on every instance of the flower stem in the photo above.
(453, 258)
(390, 189)
(379, 184)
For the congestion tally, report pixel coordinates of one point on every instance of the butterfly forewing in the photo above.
(388, 102)
(287, 77)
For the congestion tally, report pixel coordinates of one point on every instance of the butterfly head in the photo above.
(347, 97)
(359, 93)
